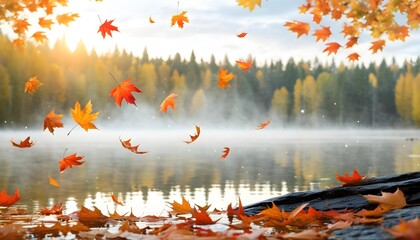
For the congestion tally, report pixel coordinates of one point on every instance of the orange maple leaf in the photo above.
(87, 215)
(151, 20)
(8, 200)
(107, 27)
(45, 23)
(388, 200)
(298, 27)
(224, 78)
(332, 47)
(398, 33)
(203, 218)
(21, 26)
(353, 57)
(126, 144)
(195, 136)
(84, 117)
(409, 230)
(55, 209)
(115, 199)
(352, 41)
(355, 178)
(242, 35)
(123, 91)
(183, 207)
(350, 30)
(378, 211)
(169, 102)
(69, 161)
(32, 85)
(226, 151)
(244, 66)
(322, 34)
(52, 121)
(250, 4)
(305, 7)
(23, 144)
(179, 19)
(238, 212)
(377, 45)
(263, 125)
(18, 42)
(39, 36)
(66, 18)
(53, 182)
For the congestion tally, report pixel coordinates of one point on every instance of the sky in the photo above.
(213, 27)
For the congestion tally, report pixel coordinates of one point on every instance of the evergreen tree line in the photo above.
(305, 93)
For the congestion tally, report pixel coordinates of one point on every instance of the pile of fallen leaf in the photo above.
(186, 221)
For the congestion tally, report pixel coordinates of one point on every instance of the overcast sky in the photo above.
(212, 30)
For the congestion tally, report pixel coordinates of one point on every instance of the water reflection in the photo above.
(260, 165)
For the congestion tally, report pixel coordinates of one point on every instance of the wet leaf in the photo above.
(56, 209)
(347, 179)
(115, 199)
(181, 208)
(8, 200)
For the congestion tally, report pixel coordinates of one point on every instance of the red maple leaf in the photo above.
(123, 91)
(69, 161)
(107, 27)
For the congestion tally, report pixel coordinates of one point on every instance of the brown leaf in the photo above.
(52, 121)
(195, 136)
(391, 201)
(126, 144)
(409, 230)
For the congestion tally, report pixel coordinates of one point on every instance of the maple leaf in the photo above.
(305, 7)
(391, 201)
(238, 212)
(69, 161)
(53, 182)
(23, 144)
(398, 33)
(195, 136)
(378, 211)
(18, 42)
(56, 209)
(39, 36)
(182, 208)
(274, 213)
(52, 121)
(226, 151)
(352, 41)
(126, 144)
(250, 4)
(377, 45)
(322, 34)
(409, 230)
(93, 218)
(202, 218)
(350, 30)
(45, 23)
(298, 27)
(332, 47)
(84, 117)
(66, 18)
(244, 66)
(8, 200)
(123, 91)
(21, 26)
(224, 78)
(151, 20)
(353, 57)
(32, 85)
(107, 27)
(179, 19)
(263, 125)
(130, 226)
(242, 35)
(115, 199)
(168, 102)
(355, 178)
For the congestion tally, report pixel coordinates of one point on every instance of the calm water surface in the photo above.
(261, 164)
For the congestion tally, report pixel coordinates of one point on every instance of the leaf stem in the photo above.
(100, 19)
(112, 75)
(72, 129)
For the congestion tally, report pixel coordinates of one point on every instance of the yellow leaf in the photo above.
(84, 117)
(250, 4)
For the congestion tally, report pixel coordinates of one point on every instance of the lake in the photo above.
(261, 164)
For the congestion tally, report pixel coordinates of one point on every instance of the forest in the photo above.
(292, 93)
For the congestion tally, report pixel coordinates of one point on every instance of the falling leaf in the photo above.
(355, 178)
(388, 200)
(107, 27)
(66, 18)
(263, 125)
(352, 41)
(377, 45)
(182, 208)
(195, 136)
(18, 42)
(353, 57)
(242, 35)
(123, 91)
(45, 23)
(179, 19)
(250, 4)
(53, 182)
(168, 102)
(56, 209)
(298, 27)
(126, 144)
(8, 200)
(305, 7)
(115, 199)
(39, 36)
(69, 161)
(23, 144)
(224, 78)
(409, 230)
(244, 66)
(84, 117)
(332, 47)
(151, 20)
(202, 218)
(226, 151)
(21, 26)
(322, 34)
(52, 121)
(32, 85)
